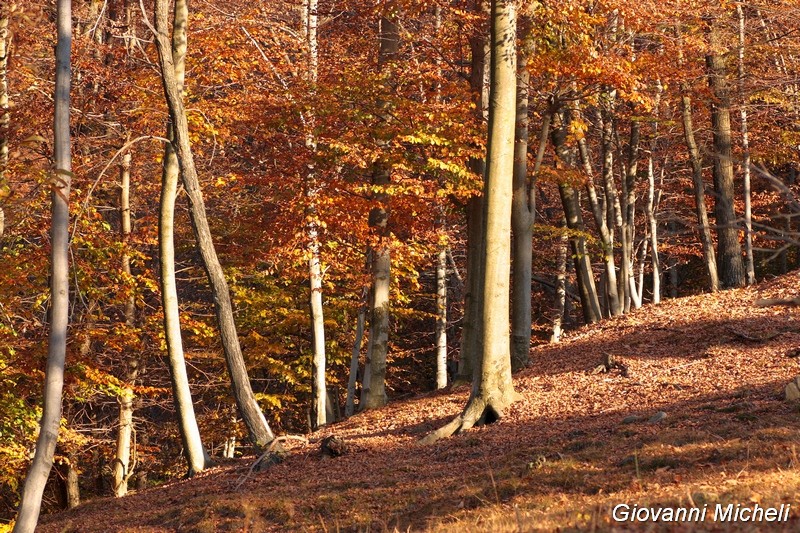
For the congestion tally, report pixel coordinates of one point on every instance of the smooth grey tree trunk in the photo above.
(522, 219)
(492, 388)
(260, 433)
(616, 288)
(598, 207)
(629, 215)
(375, 391)
(349, 406)
(652, 202)
(709, 256)
(196, 456)
(471, 329)
(39, 471)
(729, 251)
(570, 200)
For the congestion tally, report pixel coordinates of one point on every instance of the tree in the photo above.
(28, 514)
(260, 432)
(729, 251)
(492, 386)
(374, 393)
(196, 456)
(709, 256)
(5, 117)
(319, 391)
(523, 214)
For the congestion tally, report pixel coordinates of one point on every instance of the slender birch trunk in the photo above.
(30, 506)
(441, 318)
(652, 201)
(318, 358)
(561, 285)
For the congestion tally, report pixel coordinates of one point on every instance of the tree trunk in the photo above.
(617, 288)
(561, 285)
(30, 506)
(375, 394)
(72, 483)
(441, 318)
(629, 213)
(599, 215)
(709, 255)
(748, 215)
(570, 200)
(5, 116)
(652, 201)
(122, 462)
(471, 329)
(260, 433)
(318, 360)
(729, 251)
(493, 390)
(349, 406)
(196, 457)
(522, 218)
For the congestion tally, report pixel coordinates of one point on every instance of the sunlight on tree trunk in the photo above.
(196, 456)
(260, 433)
(60, 181)
(492, 388)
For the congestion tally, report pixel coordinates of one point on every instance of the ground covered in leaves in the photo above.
(692, 414)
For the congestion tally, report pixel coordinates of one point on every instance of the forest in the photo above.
(237, 231)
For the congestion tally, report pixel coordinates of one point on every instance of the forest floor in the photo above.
(561, 458)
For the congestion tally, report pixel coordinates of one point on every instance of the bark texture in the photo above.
(729, 251)
(375, 393)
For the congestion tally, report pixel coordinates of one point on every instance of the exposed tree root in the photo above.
(478, 411)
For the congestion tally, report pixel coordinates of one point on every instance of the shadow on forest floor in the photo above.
(562, 456)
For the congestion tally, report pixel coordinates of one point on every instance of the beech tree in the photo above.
(196, 457)
(729, 251)
(5, 117)
(492, 388)
(259, 430)
(60, 182)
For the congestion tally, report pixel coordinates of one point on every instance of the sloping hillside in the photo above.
(575, 445)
